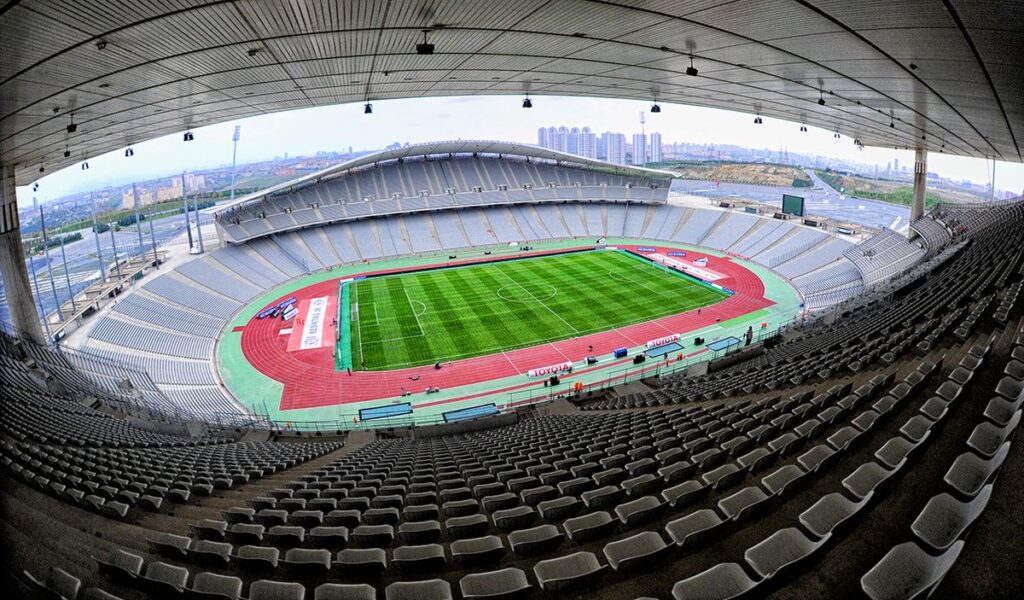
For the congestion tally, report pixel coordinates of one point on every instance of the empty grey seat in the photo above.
(345, 591)
(560, 508)
(721, 582)
(685, 493)
(466, 527)
(59, 584)
(372, 536)
(328, 537)
(895, 451)
(361, 561)
(867, 478)
(168, 544)
(641, 510)
(421, 558)
(1001, 411)
(495, 585)
(568, 572)
(462, 508)
(907, 571)
(211, 553)
(306, 518)
(304, 562)
(969, 472)
(475, 551)
(944, 519)
(245, 533)
(211, 586)
(537, 540)
(829, 512)
(209, 529)
(748, 502)
(844, 437)
(381, 516)
(781, 550)
(695, 528)
(276, 590)
(164, 579)
(432, 589)
(285, 536)
(120, 564)
(986, 439)
(256, 558)
(419, 532)
(603, 497)
(503, 501)
(514, 518)
(343, 518)
(589, 527)
(816, 458)
(643, 549)
(934, 408)
(757, 459)
(917, 428)
(724, 476)
(782, 479)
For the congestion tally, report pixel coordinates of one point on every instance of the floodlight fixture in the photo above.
(425, 47)
(527, 103)
(691, 70)
(367, 109)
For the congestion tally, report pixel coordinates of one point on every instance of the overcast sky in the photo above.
(336, 128)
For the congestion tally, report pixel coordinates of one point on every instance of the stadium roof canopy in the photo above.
(947, 74)
(445, 148)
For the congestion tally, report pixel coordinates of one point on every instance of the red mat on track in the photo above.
(310, 379)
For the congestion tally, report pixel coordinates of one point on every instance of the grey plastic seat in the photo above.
(590, 526)
(684, 494)
(210, 553)
(560, 508)
(121, 564)
(209, 529)
(568, 572)
(168, 544)
(917, 428)
(757, 459)
(695, 528)
(986, 439)
(645, 549)
(372, 536)
(476, 551)
(817, 457)
(782, 479)
(844, 437)
(59, 584)
(907, 571)
(867, 478)
(328, 537)
(211, 586)
(514, 518)
(467, 527)
(1001, 411)
(432, 589)
(345, 591)
(285, 536)
(829, 512)
(724, 476)
(639, 511)
(537, 540)
(969, 472)
(276, 590)
(303, 562)
(245, 533)
(361, 561)
(781, 550)
(724, 581)
(495, 585)
(746, 503)
(419, 532)
(934, 408)
(895, 451)
(256, 558)
(603, 497)
(944, 519)
(419, 559)
(164, 579)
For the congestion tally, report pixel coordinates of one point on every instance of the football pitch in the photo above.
(414, 319)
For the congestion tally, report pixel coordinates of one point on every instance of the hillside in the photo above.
(896, 192)
(751, 173)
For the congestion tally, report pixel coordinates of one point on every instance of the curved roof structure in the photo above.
(444, 148)
(939, 74)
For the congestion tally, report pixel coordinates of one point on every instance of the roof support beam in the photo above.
(12, 264)
(920, 187)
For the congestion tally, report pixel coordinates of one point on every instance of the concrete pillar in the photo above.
(12, 263)
(920, 186)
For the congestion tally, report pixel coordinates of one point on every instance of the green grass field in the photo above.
(447, 314)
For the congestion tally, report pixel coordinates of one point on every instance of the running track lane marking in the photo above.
(511, 363)
(560, 352)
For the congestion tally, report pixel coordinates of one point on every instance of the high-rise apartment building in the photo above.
(655, 154)
(639, 149)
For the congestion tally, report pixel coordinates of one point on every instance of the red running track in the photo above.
(311, 380)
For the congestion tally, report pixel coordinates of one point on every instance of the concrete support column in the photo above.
(920, 186)
(12, 263)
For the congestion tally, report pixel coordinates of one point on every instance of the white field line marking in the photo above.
(413, 309)
(560, 352)
(503, 353)
(576, 331)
